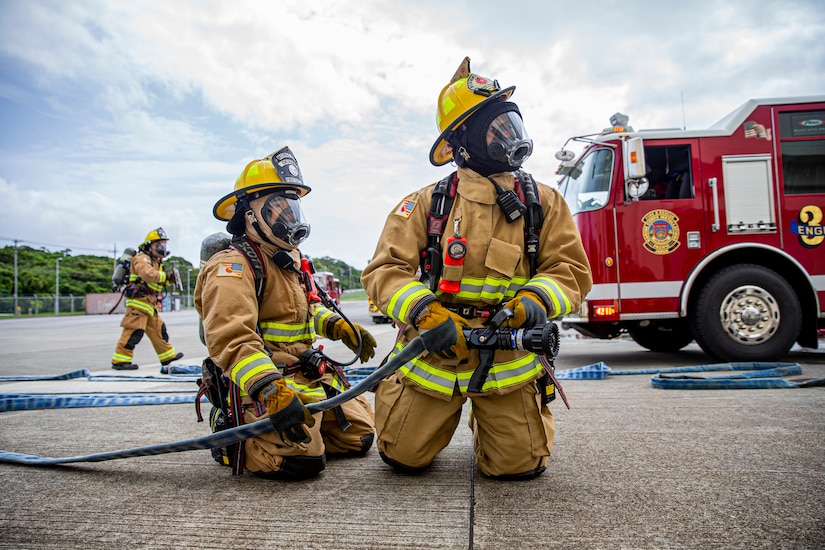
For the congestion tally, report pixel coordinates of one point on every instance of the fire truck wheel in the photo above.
(662, 336)
(746, 313)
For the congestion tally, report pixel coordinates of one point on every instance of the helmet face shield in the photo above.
(160, 249)
(507, 139)
(283, 214)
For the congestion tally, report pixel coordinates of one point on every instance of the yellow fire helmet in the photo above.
(155, 235)
(277, 171)
(459, 99)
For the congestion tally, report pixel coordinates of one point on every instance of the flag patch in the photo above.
(405, 209)
(230, 269)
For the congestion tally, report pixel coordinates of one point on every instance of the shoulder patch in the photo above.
(230, 269)
(405, 209)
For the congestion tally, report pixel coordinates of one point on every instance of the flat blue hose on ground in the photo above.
(234, 435)
(755, 375)
(53, 400)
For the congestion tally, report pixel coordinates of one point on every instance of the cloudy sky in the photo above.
(117, 117)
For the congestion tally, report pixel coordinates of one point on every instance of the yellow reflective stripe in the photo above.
(137, 304)
(490, 289)
(506, 374)
(552, 291)
(249, 367)
(401, 301)
(167, 355)
(319, 318)
(155, 287)
(429, 376)
(120, 358)
(287, 332)
(338, 384)
(317, 392)
(501, 375)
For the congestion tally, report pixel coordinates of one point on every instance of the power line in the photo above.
(57, 246)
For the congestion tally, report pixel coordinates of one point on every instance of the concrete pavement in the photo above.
(632, 466)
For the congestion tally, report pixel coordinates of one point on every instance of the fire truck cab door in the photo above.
(660, 235)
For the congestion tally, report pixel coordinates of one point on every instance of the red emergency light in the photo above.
(603, 310)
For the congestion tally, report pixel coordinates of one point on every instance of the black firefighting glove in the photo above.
(528, 310)
(453, 344)
(342, 330)
(287, 412)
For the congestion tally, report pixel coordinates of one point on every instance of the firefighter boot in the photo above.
(177, 356)
(124, 366)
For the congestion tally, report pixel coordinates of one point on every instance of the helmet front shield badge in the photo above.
(286, 165)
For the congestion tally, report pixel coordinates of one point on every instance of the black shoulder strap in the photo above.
(430, 257)
(253, 257)
(443, 198)
(534, 216)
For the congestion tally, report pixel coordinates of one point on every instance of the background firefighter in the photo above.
(257, 337)
(417, 410)
(146, 280)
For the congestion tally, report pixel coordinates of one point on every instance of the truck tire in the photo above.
(662, 336)
(747, 313)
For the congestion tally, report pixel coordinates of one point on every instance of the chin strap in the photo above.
(253, 221)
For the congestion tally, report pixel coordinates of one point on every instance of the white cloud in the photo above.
(131, 115)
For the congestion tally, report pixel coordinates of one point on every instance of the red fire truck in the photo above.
(330, 284)
(715, 235)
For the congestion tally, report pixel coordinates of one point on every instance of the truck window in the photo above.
(802, 142)
(587, 186)
(669, 173)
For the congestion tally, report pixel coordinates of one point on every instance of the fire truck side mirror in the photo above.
(637, 188)
(564, 155)
(634, 158)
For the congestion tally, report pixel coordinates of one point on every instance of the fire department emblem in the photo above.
(660, 231)
(481, 85)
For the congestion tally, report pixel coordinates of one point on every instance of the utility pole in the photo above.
(16, 311)
(57, 286)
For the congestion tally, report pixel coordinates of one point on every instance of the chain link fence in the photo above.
(34, 304)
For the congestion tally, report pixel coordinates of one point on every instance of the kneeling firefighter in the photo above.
(146, 280)
(512, 244)
(260, 320)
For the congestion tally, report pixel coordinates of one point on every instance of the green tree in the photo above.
(349, 276)
(90, 274)
(79, 275)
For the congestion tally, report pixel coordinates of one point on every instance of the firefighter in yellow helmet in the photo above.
(510, 242)
(146, 280)
(259, 325)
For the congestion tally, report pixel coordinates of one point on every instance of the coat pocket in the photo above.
(135, 319)
(503, 257)
(390, 408)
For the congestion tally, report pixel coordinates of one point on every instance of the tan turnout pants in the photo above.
(512, 433)
(135, 323)
(266, 453)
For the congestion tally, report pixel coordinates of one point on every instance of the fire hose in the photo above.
(539, 339)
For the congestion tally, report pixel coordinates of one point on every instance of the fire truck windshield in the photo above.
(587, 186)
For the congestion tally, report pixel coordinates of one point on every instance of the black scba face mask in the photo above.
(283, 214)
(494, 140)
